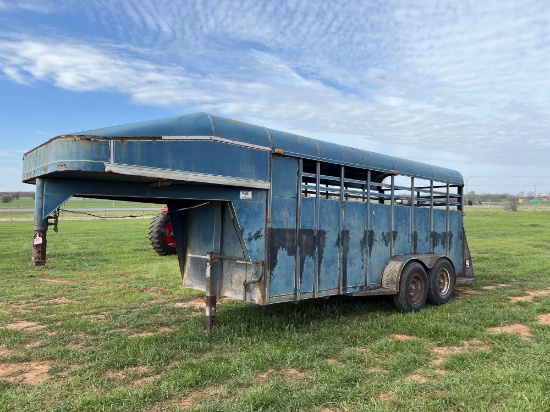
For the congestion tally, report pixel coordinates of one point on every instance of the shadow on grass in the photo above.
(299, 317)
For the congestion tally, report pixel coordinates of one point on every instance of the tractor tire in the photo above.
(161, 236)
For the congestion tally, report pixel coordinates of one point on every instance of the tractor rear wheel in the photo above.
(161, 235)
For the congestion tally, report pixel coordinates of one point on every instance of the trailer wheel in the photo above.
(161, 236)
(441, 282)
(413, 288)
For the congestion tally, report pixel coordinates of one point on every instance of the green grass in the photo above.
(109, 328)
(72, 209)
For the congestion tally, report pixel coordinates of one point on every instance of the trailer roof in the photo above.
(204, 124)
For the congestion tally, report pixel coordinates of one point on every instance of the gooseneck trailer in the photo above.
(267, 216)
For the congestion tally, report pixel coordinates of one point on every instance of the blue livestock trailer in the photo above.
(267, 216)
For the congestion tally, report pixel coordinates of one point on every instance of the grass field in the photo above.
(106, 326)
(76, 203)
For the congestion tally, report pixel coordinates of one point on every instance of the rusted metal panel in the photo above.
(65, 154)
(235, 272)
(282, 234)
(328, 247)
(284, 176)
(282, 250)
(250, 216)
(402, 229)
(354, 246)
(201, 223)
(439, 234)
(378, 242)
(455, 239)
(421, 233)
(200, 157)
(307, 248)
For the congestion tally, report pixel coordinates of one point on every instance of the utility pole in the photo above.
(535, 184)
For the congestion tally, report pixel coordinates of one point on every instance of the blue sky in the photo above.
(460, 84)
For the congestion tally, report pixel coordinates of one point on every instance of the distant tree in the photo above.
(511, 206)
(16, 195)
(7, 199)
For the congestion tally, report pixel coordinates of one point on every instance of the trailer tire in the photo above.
(161, 236)
(441, 282)
(413, 288)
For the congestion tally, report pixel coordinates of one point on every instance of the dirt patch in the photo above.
(493, 287)
(194, 399)
(530, 296)
(116, 376)
(544, 319)
(466, 293)
(5, 352)
(518, 329)
(442, 353)
(24, 325)
(192, 304)
(28, 373)
(153, 291)
(263, 376)
(55, 280)
(332, 361)
(59, 301)
(293, 373)
(403, 337)
(416, 378)
(128, 372)
(143, 381)
(126, 275)
(384, 397)
(149, 333)
(17, 304)
(100, 317)
(288, 373)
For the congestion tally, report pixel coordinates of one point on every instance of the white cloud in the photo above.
(35, 6)
(466, 82)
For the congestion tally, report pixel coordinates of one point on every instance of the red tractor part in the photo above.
(161, 235)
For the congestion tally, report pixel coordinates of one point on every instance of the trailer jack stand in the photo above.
(211, 294)
(39, 248)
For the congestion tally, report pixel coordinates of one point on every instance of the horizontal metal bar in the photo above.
(218, 139)
(185, 176)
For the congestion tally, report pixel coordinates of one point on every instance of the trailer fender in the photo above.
(392, 272)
